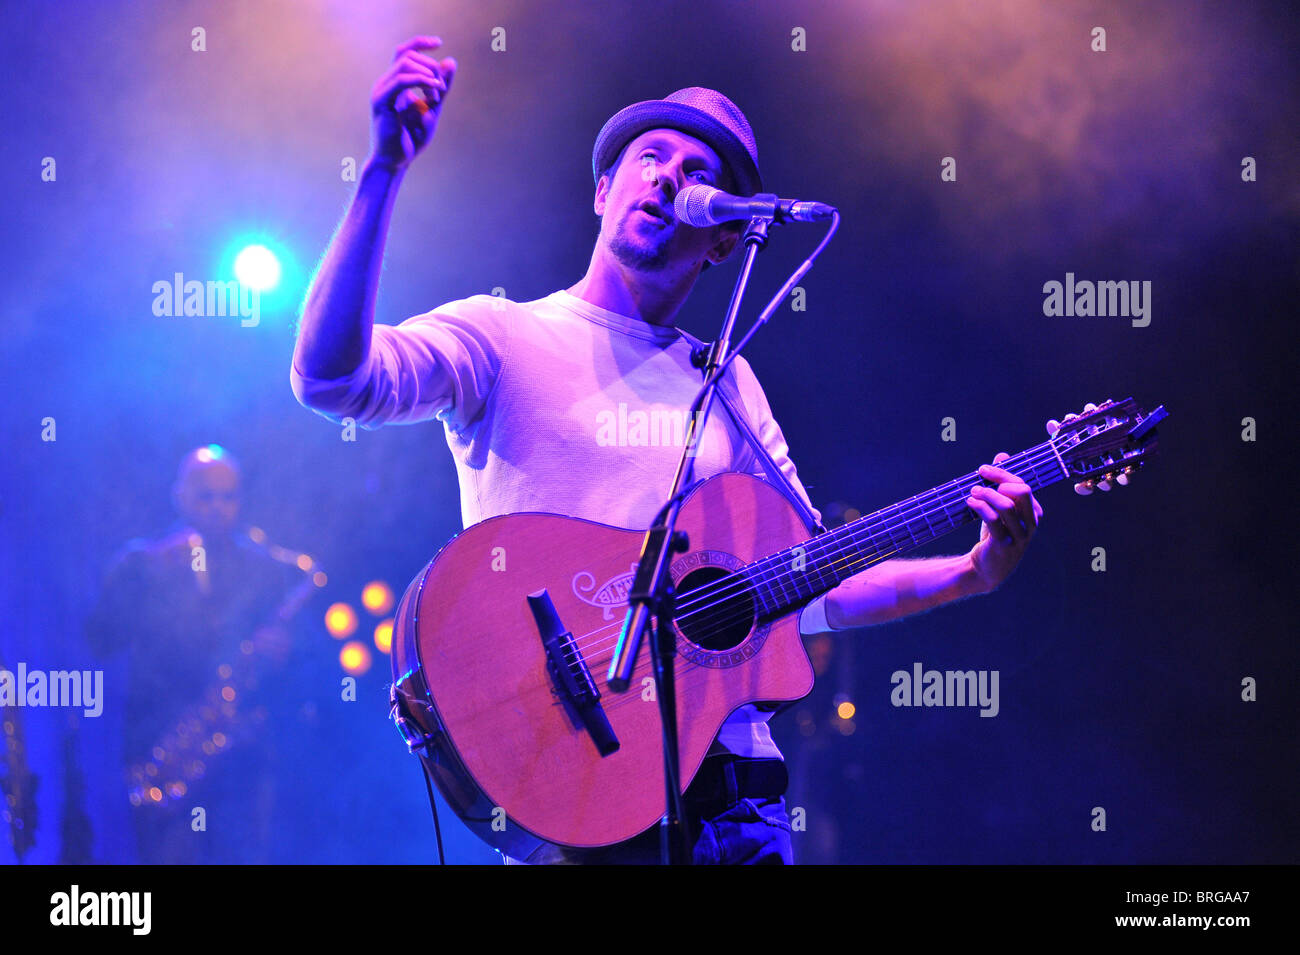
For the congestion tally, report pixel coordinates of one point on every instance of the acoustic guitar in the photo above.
(502, 643)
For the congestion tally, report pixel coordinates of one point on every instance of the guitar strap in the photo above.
(735, 405)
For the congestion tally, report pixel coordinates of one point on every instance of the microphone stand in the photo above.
(652, 595)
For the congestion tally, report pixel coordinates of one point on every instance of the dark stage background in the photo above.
(1120, 689)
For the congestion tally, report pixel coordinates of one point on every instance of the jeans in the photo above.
(733, 822)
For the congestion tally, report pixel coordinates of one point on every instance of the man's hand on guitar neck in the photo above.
(899, 588)
(1010, 514)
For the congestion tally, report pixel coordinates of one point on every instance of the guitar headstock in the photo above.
(1106, 445)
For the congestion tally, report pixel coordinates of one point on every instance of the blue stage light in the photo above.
(257, 267)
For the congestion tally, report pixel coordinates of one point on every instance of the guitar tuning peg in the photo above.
(1084, 487)
(1053, 426)
(1089, 408)
(1125, 474)
(1105, 483)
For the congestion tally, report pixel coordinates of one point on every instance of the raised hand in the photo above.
(407, 100)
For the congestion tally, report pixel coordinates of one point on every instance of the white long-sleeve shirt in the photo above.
(559, 406)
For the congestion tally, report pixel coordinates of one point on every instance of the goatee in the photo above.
(636, 253)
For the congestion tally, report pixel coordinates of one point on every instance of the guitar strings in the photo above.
(721, 593)
(840, 557)
(688, 671)
(737, 583)
(758, 572)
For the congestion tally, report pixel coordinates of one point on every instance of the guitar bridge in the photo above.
(570, 675)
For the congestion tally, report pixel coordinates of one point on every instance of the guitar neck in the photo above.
(791, 578)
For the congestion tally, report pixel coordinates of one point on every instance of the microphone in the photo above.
(701, 205)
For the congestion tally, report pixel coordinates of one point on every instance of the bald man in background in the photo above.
(190, 608)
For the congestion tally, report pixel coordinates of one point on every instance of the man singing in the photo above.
(527, 393)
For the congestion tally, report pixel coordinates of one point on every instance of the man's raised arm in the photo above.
(339, 311)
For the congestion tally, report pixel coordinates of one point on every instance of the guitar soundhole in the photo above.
(717, 621)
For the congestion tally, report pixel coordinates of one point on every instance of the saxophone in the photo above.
(212, 725)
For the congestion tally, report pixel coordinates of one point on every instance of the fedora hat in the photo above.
(703, 113)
